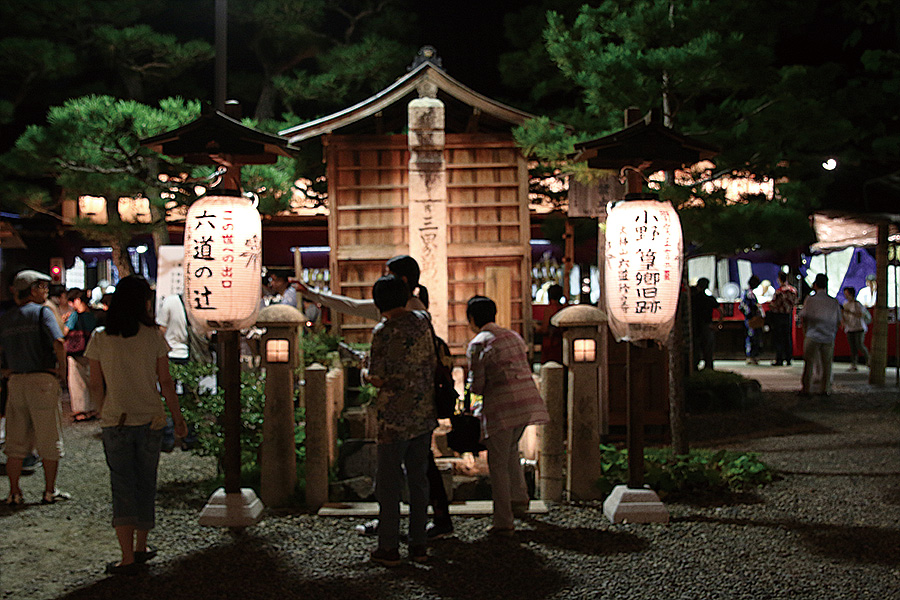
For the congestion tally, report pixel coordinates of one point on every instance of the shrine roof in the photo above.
(466, 111)
(646, 144)
(214, 132)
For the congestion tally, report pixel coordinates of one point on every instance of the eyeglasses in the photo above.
(42, 286)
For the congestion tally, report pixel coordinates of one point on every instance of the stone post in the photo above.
(428, 199)
(553, 434)
(317, 441)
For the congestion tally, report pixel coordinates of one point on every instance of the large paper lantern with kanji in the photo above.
(643, 268)
(222, 262)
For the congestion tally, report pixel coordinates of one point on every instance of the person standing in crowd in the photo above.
(551, 336)
(406, 268)
(854, 318)
(32, 346)
(173, 322)
(780, 318)
(129, 358)
(500, 373)
(279, 283)
(868, 294)
(820, 316)
(753, 321)
(57, 301)
(402, 361)
(702, 307)
(78, 329)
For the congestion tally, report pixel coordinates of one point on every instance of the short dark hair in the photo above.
(851, 288)
(405, 266)
(821, 281)
(481, 310)
(783, 276)
(390, 292)
(56, 290)
(555, 292)
(753, 281)
(702, 283)
(76, 294)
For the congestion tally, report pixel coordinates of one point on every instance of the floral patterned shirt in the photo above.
(403, 356)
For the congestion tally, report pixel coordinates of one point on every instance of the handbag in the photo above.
(445, 395)
(466, 433)
(76, 340)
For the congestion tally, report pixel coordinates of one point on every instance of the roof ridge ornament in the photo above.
(424, 55)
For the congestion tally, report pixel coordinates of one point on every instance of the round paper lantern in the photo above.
(643, 268)
(222, 262)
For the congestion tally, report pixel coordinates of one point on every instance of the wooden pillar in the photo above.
(878, 356)
(428, 200)
(278, 460)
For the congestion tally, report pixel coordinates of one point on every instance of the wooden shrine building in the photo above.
(428, 167)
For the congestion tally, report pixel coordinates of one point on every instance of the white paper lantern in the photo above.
(643, 269)
(222, 262)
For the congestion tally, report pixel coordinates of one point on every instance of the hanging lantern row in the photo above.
(223, 262)
(643, 267)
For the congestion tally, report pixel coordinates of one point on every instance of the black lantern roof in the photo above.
(646, 144)
(215, 133)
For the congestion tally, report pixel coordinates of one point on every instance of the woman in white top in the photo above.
(128, 358)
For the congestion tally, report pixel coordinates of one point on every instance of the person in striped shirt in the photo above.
(499, 371)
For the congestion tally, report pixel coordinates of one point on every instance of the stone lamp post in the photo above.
(280, 358)
(587, 418)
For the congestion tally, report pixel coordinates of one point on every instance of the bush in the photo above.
(709, 390)
(203, 409)
(698, 471)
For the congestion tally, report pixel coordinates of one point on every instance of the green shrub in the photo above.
(698, 471)
(319, 347)
(203, 409)
(717, 390)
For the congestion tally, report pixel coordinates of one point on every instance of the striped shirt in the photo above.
(499, 371)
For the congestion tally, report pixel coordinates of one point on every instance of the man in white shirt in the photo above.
(172, 318)
(821, 316)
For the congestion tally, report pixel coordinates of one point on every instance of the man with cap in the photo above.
(32, 344)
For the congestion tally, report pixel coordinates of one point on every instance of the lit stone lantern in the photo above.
(280, 357)
(587, 418)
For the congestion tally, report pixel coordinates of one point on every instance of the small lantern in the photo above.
(278, 351)
(222, 262)
(643, 267)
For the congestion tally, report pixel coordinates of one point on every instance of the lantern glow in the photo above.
(584, 350)
(643, 268)
(222, 262)
(278, 351)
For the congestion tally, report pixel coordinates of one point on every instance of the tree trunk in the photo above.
(878, 356)
(118, 238)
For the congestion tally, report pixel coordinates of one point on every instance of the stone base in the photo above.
(232, 510)
(626, 505)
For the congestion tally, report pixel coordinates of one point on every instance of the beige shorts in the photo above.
(34, 416)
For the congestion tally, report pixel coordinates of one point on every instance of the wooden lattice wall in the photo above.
(488, 224)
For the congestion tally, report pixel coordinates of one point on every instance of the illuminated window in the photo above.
(585, 350)
(278, 351)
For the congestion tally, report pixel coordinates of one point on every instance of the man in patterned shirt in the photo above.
(499, 371)
(401, 365)
(781, 312)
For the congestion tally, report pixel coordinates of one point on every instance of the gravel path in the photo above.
(828, 529)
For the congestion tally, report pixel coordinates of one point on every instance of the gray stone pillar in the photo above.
(428, 200)
(553, 434)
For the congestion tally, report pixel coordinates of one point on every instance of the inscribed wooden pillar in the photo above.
(428, 202)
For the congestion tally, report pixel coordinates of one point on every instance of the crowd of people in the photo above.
(820, 315)
(116, 366)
